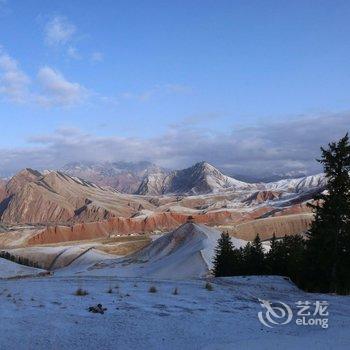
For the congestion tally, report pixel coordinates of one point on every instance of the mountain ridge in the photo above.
(204, 178)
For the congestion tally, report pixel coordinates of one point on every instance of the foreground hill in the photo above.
(186, 252)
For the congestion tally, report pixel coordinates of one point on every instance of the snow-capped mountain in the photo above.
(298, 185)
(145, 178)
(122, 176)
(200, 178)
(203, 178)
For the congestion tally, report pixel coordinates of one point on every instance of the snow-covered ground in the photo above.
(10, 269)
(44, 313)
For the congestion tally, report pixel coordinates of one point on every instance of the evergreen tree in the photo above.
(253, 258)
(237, 263)
(258, 256)
(276, 258)
(224, 257)
(328, 247)
(293, 258)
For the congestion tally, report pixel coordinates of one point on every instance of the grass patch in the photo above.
(152, 289)
(209, 286)
(81, 292)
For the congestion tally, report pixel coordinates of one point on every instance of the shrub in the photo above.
(152, 289)
(81, 292)
(209, 286)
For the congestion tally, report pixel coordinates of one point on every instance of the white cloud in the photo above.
(59, 31)
(57, 90)
(72, 52)
(97, 56)
(14, 82)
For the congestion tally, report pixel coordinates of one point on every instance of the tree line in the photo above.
(316, 262)
(19, 260)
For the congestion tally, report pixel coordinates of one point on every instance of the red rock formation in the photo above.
(123, 226)
(263, 196)
(295, 209)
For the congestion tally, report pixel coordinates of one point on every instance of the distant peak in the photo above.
(29, 171)
(204, 165)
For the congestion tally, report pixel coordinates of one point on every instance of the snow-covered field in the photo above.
(9, 269)
(44, 313)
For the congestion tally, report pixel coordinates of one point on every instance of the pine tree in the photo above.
(276, 257)
(258, 258)
(224, 256)
(253, 258)
(293, 262)
(328, 247)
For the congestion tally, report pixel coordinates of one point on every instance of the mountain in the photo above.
(145, 178)
(298, 185)
(21, 179)
(201, 178)
(54, 197)
(123, 176)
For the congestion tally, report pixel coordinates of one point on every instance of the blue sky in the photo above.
(127, 77)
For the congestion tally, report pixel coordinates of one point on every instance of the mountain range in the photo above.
(145, 178)
(54, 196)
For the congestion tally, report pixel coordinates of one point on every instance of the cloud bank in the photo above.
(263, 150)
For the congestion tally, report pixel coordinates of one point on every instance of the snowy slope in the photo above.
(10, 269)
(186, 252)
(298, 185)
(203, 178)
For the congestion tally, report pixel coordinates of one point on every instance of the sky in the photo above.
(253, 87)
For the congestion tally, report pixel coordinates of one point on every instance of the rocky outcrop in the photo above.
(263, 196)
